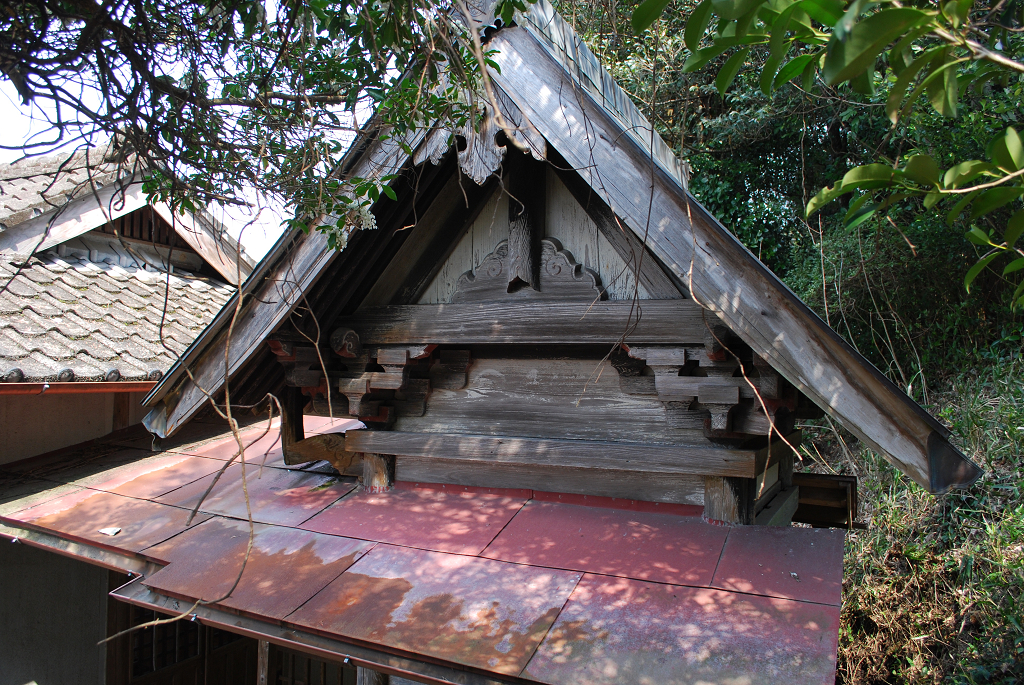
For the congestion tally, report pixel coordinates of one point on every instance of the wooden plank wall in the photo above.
(570, 399)
(565, 221)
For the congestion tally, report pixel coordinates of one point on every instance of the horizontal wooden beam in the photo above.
(515, 321)
(578, 454)
(73, 388)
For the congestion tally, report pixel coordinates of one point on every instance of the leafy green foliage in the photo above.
(220, 101)
(930, 54)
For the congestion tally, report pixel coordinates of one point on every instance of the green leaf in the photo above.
(729, 70)
(922, 169)
(825, 12)
(734, 9)
(696, 25)
(965, 172)
(849, 57)
(864, 82)
(932, 199)
(900, 52)
(957, 11)
(647, 13)
(959, 207)
(977, 269)
(793, 68)
(993, 199)
(868, 172)
(1006, 151)
(861, 215)
(389, 191)
(1014, 228)
(942, 89)
(1015, 265)
(979, 237)
(824, 196)
(906, 77)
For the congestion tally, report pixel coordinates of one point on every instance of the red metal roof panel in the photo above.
(285, 568)
(615, 631)
(476, 612)
(794, 563)
(457, 520)
(276, 496)
(131, 524)
(151, 478)
(662, 547)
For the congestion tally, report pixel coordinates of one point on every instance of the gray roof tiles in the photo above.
(31, 187)
(58, 314)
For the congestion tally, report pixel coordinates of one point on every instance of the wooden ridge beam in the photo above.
(660, 321)
(668, 459)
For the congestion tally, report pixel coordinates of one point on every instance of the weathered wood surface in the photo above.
(559, 278)
(604, 249)
(661, 321)
(378, 472)
(570, 399)
(329, 447)
(571, 196)
(297, 269)
(213, 243)
(723, 274)
(730, 500)
(649, 487)
(780, 510)
(620, 456)
(435, 224)
(61, 224)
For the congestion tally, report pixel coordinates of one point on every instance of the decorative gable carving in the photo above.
(560, 278)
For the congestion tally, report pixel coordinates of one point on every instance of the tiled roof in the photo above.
(93, 319)
(34, 186)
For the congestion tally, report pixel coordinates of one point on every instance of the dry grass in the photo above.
(933, 588)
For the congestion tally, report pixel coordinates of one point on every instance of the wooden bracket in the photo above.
(450, 371)
(378, 472)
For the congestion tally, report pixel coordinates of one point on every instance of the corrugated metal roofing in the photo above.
(581, 591)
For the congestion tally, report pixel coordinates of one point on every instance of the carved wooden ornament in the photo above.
(560, 278)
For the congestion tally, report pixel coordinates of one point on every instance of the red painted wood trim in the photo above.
(73, 388)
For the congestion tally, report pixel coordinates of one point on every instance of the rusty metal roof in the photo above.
(509, 585)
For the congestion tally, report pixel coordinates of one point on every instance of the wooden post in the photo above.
(291, 419)
(378, 472)
(122, 410)
(526, 206)
(730, 500)
(366, 676)
(263, 663)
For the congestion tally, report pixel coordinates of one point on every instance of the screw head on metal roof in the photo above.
(113, 375)
(66, 376)
(13, 376)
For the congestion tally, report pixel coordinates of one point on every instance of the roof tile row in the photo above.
(59, 314)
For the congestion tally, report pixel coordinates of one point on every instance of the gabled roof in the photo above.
(69, 319)
(47, 201)
(79, 303)
(550, 84)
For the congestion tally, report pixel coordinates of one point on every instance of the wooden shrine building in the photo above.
(538, 426)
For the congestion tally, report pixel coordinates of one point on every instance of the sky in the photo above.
(19, 123)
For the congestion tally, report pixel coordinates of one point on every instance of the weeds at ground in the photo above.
(933, 589)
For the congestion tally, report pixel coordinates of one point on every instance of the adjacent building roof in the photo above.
(461, 584)
(69, 319)
(81, 303)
